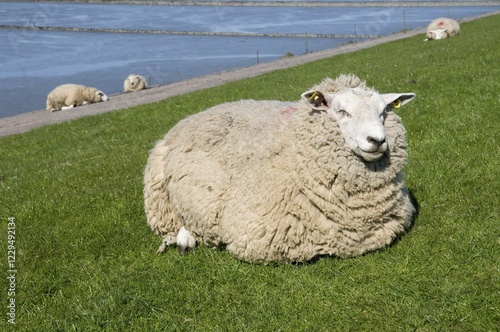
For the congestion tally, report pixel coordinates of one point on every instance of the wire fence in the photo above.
(191, 33)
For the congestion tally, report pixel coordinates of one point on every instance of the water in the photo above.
(34, 62)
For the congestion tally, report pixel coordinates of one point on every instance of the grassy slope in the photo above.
(86, 258)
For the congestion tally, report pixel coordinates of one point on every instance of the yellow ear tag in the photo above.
(314, 96)
(395, 104)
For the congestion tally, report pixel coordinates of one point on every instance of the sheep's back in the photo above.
(62, 91)
(57, 98)
(227, 161)
(445, 23)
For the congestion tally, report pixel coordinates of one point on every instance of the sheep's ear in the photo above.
(395, 100)
(317, 100)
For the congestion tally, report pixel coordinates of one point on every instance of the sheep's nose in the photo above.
(376, 141)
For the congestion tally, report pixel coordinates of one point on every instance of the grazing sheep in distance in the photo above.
(442, 28)
(134, 82)
(284, 181)
(72, 95)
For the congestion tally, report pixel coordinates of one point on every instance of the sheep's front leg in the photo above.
(167, 240)
(185, 241)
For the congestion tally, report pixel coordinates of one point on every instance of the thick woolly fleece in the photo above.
(275, 181)
(73, 95)
(134, 82)
(451, 26)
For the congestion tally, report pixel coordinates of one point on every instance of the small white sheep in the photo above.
(134, 82)
(72, 95)
(441, 28)
(284, 181)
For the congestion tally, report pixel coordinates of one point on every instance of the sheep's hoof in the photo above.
(166, 241)
(182, 250)
(161, 248)
(185, 241)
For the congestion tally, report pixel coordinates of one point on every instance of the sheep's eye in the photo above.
(344, 113)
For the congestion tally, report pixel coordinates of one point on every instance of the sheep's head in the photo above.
(436, 34)
(101, 96)
(360, 114)
(134, 80)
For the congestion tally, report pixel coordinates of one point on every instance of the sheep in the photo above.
(134, 82)
(441, 28)
(67, 96)
(284, 181)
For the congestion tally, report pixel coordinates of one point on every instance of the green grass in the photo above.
(86, 258)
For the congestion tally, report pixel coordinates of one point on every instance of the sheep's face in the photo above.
(101, 96)
(437, 34)
(134, 80)
(360, 115)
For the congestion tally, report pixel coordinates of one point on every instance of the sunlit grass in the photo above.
(86, 258)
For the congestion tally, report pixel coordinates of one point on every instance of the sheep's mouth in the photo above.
(370, 156)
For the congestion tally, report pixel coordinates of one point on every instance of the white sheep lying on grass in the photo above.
(72, 95)
(441, 28)
(284, 181)
(134, 82)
